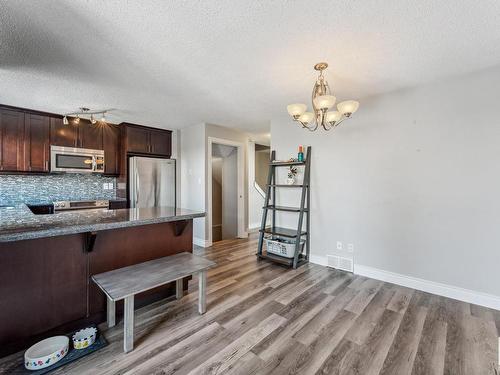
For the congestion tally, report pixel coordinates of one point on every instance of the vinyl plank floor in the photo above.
(263, 319)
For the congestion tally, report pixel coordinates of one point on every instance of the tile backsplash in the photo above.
(54, 187)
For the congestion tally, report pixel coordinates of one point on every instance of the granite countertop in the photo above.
(19, 223)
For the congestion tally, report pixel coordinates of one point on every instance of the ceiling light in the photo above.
(103, 118)
(77, 119)
(65, 120)
(323, 101)
(92, 119)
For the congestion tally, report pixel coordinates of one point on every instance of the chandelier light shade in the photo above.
(296, 110)
(348, 107)
(306, 118)
(322, 102)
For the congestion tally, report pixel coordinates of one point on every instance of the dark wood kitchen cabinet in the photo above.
(137, 139)
(36, 143)
(83, 134)
(90, 135)
(11, 140)
(161, 142)
(145, 140)
(111, 146)
(43, 284)
(63, 135)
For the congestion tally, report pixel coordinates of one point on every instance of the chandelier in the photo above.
(322, 102)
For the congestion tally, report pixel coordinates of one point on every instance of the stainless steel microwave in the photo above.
(76, 160)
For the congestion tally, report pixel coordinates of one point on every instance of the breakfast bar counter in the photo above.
(47, 261)
(19, 223)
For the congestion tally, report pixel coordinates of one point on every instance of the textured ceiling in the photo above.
(231, 62)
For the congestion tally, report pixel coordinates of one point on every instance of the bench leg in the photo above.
(179, 289)
(111, 318)
(128, 325)
(202, 292)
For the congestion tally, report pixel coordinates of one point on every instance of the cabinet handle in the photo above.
(46, 165)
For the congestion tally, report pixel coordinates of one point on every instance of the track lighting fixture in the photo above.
(84, 112)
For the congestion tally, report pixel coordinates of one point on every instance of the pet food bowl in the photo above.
(84, 338)
(46, 352)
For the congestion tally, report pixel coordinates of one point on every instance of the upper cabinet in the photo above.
(111, 146)
(26, 137)
(63, 135)
(11, 140)
(36, 143)
(161, 142)
(83, 135)
(137, 139)
(90, 135)
(145, 140)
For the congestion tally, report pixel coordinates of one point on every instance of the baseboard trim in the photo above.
(317, 259)
(445, 290)
(200, 242)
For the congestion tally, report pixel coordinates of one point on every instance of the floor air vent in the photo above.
(341, 263)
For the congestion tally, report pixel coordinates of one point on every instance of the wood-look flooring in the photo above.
(265, 319)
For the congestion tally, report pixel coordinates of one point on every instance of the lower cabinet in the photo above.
(43, 283)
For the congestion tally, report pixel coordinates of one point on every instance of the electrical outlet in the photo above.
(350, 247)
(105, 186)
(339, 245)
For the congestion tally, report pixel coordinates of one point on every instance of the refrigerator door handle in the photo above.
(136, 190)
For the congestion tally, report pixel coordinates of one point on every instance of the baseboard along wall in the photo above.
(445, 290)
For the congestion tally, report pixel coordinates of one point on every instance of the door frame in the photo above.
(241, 191)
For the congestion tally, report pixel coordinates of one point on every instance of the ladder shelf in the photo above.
(299, 258)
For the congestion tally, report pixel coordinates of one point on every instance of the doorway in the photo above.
(225, 190)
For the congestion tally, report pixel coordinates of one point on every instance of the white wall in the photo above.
(193, 176)
(413, 181)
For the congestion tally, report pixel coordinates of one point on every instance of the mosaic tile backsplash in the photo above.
(55, 187)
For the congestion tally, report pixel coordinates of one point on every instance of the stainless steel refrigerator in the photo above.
(151, 182)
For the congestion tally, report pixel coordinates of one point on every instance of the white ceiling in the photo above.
(231, 62)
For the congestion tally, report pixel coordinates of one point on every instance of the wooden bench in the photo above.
(125, 283)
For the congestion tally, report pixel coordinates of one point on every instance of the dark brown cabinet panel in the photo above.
(90, 135)
(144, 140)
(161, 142)
(111, 145)
(138, 139)
(63, 135)
(43, 284)
(36, 143)
(11, 140)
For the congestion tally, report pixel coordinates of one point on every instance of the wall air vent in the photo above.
(340, 263)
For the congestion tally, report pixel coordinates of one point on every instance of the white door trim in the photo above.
(241, 191)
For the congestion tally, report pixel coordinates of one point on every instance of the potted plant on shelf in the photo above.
(292, 172)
